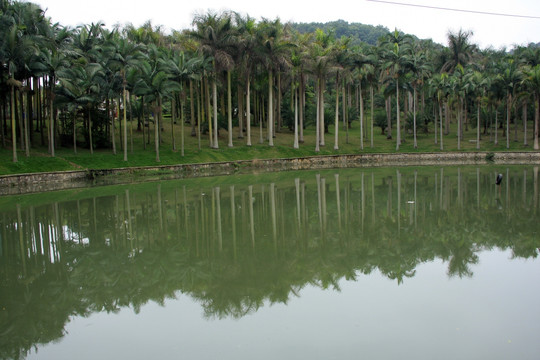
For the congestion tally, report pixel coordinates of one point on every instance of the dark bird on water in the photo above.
(499, 179)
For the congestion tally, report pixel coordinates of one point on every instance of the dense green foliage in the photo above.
(233, 77)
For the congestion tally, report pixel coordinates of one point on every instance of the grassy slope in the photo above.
(66, 159)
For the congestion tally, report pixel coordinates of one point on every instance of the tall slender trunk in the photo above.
(214, 102)
(192, 108)
(372, 112)
(441, 125)
(322, 128)
(173, 120)
(124, 124)
(208, 111)
(113, 135)
(278, 102)
(157, 111)
(318, 120)
(478, 127)
(336, 123)
(229, 110)
(524, 116)
(398, 124)
(270, 109)
(90, 132)
(295, 144)
(536, 121)
(414, 117)
(389, 117)
(248, 110)
(13, 125)
(361, 117)
(508, 106)
(302, 107)
(240, 94)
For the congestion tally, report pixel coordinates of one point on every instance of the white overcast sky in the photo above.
(489, 30)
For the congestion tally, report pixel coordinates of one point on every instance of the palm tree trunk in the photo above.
(270, 109)
(361, 116)
(295, 145)
(524, 116)
(318, 120)
(124, 125)
(156, 127)
(536, 121)
(113, 142)
(414, 117)
(398, 124)
(322, 128)
(478, 127)
(229, 109)
(496, 126)
(90, 132)
(182, 126)
(388, 118)
(371, 104)
(508, 101)
(214, 101)
(278, 104)
(441, 125)
(248, 111)
(192, 108)
(240, 94)
(336, 123)
(302, 107)
(173, 120)
(208, 111)
(13, 125)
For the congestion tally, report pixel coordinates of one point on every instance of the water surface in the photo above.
(413, 263)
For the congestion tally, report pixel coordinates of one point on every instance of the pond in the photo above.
(386, 263)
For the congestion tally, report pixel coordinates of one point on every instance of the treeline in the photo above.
(62, 86)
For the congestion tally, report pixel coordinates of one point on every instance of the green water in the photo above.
(406, 263)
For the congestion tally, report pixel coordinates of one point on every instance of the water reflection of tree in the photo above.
(233, 254)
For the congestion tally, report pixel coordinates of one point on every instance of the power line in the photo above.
(458, 10)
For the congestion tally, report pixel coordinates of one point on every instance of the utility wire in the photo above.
(458, 10)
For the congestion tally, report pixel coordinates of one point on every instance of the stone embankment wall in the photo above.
(38, 182)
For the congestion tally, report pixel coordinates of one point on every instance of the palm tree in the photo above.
(396, 63)
(532, 82)
(460, 50)
(124, 54)
(216, 36)
(272, 51)
(510, 78)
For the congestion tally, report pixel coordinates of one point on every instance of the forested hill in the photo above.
(365, 33)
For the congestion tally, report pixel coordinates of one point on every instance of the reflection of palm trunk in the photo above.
(251, 223)
(525, 188)
(535, 172)
(323, 188)
(273, 213)
(297, 187)
(363, 203)
(399, 201)
(338, 203)
(233, 220)
(319, 199)
(128, 205)
(373, 198)
(160, 208)
(218, 218)
(21, 239)
(186, 220)
(478, 187)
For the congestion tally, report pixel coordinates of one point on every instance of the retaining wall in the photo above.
(38, 182)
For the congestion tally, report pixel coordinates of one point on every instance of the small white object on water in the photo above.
(410, 202)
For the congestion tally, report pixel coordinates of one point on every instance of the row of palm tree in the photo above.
(230, 70)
